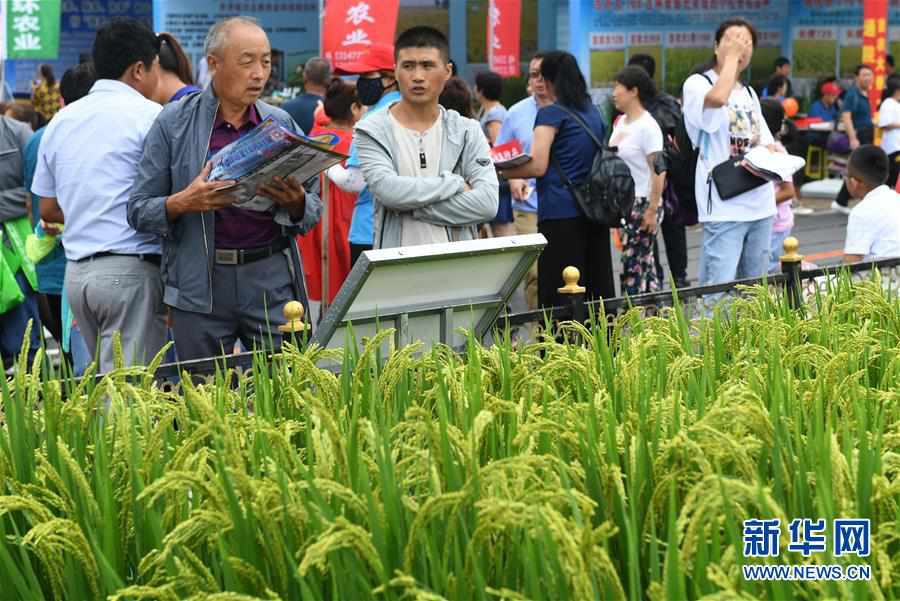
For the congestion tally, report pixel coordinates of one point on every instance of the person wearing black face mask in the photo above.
(376, 88)
(370, 89)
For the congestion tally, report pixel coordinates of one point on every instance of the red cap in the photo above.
(831, 89)
(378, 57)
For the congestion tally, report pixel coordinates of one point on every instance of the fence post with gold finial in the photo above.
(791, 264)
(574, 293)
(295, 327)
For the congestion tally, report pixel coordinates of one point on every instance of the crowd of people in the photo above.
(137, 240)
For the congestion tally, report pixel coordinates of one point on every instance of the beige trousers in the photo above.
(526, 223)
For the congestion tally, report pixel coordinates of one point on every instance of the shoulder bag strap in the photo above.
(702, 136)
(751, 92)
(562, 175)
(703, 150)
(582, 123)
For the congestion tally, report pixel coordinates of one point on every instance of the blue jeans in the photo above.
(735, 250)
(776, 250)
(81, 356)
(14, 322)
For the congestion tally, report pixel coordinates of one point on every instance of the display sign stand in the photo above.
(429, 293)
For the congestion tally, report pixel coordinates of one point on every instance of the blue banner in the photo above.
(684, 14)
(601, 32)
(817, 13)
(292, 27)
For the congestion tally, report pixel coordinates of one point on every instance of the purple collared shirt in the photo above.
(240, 228)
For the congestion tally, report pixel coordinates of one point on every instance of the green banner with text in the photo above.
(32, 29)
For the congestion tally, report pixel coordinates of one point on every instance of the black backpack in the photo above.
(607, 193)
(680, 196)
(681, 169)
(666, 110)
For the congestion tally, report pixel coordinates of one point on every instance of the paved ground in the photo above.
(821, 235)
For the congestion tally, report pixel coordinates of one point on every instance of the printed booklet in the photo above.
(271, 150)
(509, 155)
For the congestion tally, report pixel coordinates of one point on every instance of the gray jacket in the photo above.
(13, 137)
(439, 200)
(174, 154)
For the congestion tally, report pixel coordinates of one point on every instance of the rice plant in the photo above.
(618, 468)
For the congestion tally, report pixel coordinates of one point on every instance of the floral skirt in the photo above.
(639, 273)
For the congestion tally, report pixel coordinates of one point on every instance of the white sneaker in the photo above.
(839, 208)
(802, 211)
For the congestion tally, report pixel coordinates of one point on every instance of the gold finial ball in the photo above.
(791, 244)
(570, 276)
(293, 313)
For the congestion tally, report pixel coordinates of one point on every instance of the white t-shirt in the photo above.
(412, 149)
(727, 132)
(889, 114)
(635, 141)
(873, 228)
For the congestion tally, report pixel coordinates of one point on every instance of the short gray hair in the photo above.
(217, 34)
(317, 71)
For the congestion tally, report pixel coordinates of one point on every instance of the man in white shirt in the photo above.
(889, 122)
(873, 228)
(87, 163)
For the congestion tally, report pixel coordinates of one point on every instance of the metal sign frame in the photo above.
(528, 246)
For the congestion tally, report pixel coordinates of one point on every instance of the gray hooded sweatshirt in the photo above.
(440, 200)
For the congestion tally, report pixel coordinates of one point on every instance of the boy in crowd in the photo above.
(873, 229)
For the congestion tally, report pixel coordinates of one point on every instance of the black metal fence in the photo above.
(795, 283)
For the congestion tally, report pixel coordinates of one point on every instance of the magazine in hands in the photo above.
(509, 155)
(268, 151)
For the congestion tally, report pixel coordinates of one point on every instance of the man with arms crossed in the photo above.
(429, 169)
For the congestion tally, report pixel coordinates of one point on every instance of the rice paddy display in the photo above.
(620, 468)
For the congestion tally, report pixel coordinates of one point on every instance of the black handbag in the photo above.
(733, 179)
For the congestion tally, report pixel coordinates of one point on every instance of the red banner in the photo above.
(875, 14)
(350, 27)
(503, 28)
